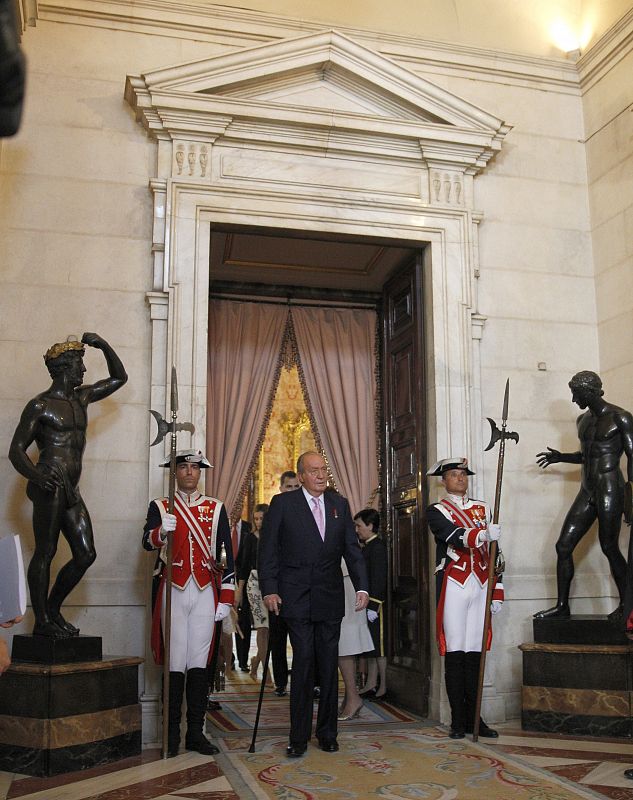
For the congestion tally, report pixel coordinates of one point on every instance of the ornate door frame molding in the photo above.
(316, 133)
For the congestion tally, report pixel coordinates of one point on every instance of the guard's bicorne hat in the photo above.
(440, 467)
(188, 457)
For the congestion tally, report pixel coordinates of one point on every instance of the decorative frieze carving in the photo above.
(191, 160)
(446, 188)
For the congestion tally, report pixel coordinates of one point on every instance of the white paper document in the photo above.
(12, 583)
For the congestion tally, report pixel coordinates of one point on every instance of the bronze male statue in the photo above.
(56, 421)
(605, 432)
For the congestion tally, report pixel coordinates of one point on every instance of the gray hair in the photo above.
(301, 458)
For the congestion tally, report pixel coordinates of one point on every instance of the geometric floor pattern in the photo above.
(517, 765)
(385, 753)
(594, 764)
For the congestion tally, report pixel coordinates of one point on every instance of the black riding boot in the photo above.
(197, 691)
(472, 681)
(176, 688)
(454, 677)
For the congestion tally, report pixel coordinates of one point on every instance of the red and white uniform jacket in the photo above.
(202, 528)
(458, 525)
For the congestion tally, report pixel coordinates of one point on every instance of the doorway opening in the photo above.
(289, 269)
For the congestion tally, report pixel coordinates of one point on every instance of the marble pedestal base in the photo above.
(577, 688)
(65, 717)
(44, 650)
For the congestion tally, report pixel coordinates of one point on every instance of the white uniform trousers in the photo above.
(464, 608)
(192, 625)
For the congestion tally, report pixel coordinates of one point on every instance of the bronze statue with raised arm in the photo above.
(56, 421)
(605, 432)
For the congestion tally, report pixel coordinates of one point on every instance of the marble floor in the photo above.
(595, 765)
(592, 763)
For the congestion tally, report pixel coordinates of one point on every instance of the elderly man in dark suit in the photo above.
(304, 537)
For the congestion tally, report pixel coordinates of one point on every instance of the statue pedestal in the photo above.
(60, 718)
(577, 678)
(44, 650)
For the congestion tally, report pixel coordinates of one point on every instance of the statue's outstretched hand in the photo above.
(92, 339)
(545, 459)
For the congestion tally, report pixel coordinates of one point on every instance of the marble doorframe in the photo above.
(179, 317)
(228, 154)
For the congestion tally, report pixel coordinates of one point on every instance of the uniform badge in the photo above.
(204, 514)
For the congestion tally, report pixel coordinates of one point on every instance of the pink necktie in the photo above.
(234, 540)
(318, 516)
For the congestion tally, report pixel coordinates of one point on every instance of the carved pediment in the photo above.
(329, 87)
(318, 83)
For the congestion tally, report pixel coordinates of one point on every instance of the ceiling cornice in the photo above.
(611, 48)
(240, 28)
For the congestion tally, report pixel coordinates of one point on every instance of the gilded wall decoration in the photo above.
(288, 435)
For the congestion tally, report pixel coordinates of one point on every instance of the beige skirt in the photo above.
(259, 611)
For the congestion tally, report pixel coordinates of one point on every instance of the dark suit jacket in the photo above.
(245, 533)
(305, 571)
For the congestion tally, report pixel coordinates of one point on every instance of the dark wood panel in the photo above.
(403, 400)
(405, 450)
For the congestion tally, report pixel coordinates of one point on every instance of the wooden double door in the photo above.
(404, 451)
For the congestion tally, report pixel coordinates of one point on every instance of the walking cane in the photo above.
(496, 435)
(251, 749)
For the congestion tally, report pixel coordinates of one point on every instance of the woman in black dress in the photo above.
(367, 524)
(248, 581)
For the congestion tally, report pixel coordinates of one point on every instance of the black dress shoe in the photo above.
(280, 691)
(213, 705)
(484, 731)
(200, 744)
(456, 734)
(487, 733)
(329, 746)
(296, 750)
(368, 694)
(628, 773)
(244, 668)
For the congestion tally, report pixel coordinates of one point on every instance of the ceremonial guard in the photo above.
(462, 530)
(202, 593)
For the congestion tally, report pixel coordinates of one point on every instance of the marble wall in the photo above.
(608, 113)
(76, 237)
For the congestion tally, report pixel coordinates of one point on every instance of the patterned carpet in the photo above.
(238, 714)
(415, 763)
(385, 753)
(405, 765)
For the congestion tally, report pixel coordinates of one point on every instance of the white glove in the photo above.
(493, 532)
(495, 606)
(168, 526)
(372, 616)
(222, 611)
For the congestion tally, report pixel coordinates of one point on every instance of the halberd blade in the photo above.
(506, 398)
(174, 391)
(163, 427)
